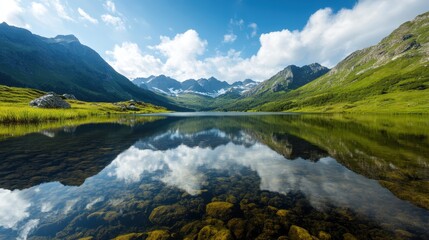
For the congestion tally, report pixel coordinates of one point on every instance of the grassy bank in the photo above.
(14, 108)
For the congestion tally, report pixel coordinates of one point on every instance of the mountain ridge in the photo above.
(210, 87)
(63, 65)
(390, 76)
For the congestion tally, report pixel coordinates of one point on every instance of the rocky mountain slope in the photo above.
(391, 76)
(64, 65)
(292, 77)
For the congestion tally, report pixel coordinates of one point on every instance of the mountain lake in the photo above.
(219, 176)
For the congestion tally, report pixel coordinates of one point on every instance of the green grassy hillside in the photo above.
(64, 65)
(391, 76)
(15, 108)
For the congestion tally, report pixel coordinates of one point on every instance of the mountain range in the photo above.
(391, 76)
(211, 87)
(63, 65)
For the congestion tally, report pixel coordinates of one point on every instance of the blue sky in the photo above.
(229, 39)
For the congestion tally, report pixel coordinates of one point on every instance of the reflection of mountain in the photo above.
(210, 138)
(391, 150)
(259, 160)
(66, 156)
(324, 183)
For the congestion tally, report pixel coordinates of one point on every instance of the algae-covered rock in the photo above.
(402, 234)
(349, 236)
(238, 227)
(103, 216)
(214, 233)
(86, 238)
(324, 235)
(158, 235)
(214, 222)
(282, 213)
(221, 210)
(110, 216)
(299, 233)
(191, 228)
(271, 228)
(129, 236)
(167, 214)
(95, 215)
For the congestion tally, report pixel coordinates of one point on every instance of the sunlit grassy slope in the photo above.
(14, 108)
(390, 77)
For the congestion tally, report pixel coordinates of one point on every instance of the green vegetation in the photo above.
(64, 65)
(14, 108)
(192, 101)
(390, 77)
(390, 149)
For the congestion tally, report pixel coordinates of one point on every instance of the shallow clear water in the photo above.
(365, 176)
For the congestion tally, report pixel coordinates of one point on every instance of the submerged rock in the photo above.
(158, 235)
(349, 236)
(324, 235)
(299, 233)
(238, 227)
(221, 210)
(129, 236)
(50, 100)
(167, 214)
(282, 213)
(212, 232)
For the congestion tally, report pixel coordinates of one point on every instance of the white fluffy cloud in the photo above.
(129, 60)
(86, 16)
(11, 12)
(327, 38)
(38, 10)
(180, 52)
(113, 21)
(229, 38)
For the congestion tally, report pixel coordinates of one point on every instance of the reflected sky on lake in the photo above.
(180, 159)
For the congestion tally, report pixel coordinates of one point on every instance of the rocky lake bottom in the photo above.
(219, 176)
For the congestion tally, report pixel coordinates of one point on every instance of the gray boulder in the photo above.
(49, 100)
(69, 96)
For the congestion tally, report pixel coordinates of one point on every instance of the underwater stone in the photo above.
(158, 235)
(349, 236)
(221, 210)
(238, 227)
(299, 233)
(129, 236)
(215, 233)
(191, 228)
(167, 214)
(324, 235)
(282, 213)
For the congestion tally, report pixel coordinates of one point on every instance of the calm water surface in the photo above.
(234, 176)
